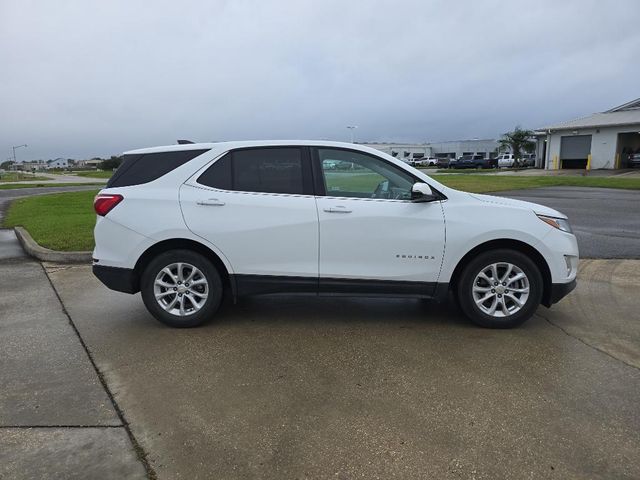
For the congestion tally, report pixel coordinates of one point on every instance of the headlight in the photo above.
(559, 223)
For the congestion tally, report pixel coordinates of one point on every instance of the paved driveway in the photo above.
(305, 387)
(606, 221)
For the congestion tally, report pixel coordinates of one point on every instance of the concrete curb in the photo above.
(44, 254)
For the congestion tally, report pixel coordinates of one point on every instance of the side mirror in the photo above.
(421, 192)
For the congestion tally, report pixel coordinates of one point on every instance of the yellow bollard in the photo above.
(588, 162)
(555, 162)
(617, 160)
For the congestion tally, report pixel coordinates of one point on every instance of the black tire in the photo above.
(465, 286)
(209, 306)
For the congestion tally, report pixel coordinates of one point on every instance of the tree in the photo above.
(517, 141)
(111, 164)
(6, 165)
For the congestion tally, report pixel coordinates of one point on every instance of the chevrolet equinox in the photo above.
(184, 224)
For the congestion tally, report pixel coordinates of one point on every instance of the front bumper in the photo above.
(557, 292)
(118, 279)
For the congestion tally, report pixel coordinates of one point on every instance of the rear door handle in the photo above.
(337, 209)
(211, 202)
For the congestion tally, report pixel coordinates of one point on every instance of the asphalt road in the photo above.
(306, 387)
(606, 221)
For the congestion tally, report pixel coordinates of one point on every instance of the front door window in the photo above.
(352, 174)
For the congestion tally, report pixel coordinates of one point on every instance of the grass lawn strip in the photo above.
(19, 177)
(61, 221)
(94, 174)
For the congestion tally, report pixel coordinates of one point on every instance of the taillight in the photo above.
(104, 203)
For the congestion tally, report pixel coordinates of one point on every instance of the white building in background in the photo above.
(29, 166)
(93, 163)
(454, 149)
(606, 138)
(58, 163)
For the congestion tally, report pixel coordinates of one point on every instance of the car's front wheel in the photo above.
(181, 288)
(500, 289)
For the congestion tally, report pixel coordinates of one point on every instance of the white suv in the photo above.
(184, 224)
(426, 162)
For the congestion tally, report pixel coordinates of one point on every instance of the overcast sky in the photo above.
(83, 78)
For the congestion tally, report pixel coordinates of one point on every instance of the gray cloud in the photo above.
(96, 78)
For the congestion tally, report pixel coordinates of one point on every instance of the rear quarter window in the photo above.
(147, 167)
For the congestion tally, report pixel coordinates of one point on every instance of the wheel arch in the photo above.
(511, 244)
(183, 244)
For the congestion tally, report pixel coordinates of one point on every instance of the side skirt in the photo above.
(275, 284)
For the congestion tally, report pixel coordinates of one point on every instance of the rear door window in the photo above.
(263, 170)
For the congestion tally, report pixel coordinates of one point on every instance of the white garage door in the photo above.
(574, 151)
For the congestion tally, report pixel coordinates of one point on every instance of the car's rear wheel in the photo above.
(181, 288)
(500, 289)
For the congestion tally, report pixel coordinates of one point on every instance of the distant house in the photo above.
(93, 163)
(59, 163)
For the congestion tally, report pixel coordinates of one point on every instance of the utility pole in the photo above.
(14, 151)
(352, 128)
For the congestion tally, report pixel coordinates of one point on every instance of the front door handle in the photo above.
(337, 209)
(211, 202)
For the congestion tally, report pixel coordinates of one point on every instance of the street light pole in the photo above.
(352, 128)
(14, 151)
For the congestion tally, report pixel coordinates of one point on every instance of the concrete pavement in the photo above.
(305, 387)
(9, 245)
(56, 418)
(604, 311)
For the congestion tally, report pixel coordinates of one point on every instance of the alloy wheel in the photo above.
(181, 289)
(501, 289)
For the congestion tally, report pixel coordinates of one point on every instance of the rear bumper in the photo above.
(118, 279)
(558, 291)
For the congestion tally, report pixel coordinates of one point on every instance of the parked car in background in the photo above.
(426, 162)
(528, 160)
(634, 160)
(443, 162)
(472, 161)
(186, 225)
(506, 160)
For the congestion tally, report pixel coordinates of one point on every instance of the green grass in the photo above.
(62, 221)
(95, 174)
(365, 182)
(496, 183)
(19, 177)
(474, 171)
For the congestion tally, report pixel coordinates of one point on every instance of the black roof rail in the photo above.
(185, 142)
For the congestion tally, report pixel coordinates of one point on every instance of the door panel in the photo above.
(380, 239)
(259, 233)
(369, 230)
